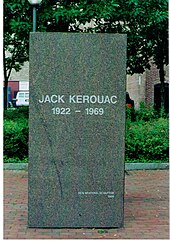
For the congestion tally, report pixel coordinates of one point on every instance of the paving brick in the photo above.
(146, 210)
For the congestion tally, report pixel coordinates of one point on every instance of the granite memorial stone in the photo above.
(77, 130)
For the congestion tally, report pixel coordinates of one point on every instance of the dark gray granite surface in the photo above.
(77, 130)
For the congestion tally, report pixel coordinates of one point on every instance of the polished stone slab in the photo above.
(77, 130)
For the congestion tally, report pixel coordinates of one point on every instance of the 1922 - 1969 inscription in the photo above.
(77, 126)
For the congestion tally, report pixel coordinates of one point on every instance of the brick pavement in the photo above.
(146, 210)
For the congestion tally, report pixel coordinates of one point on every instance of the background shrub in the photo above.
(146, 135)
(147, 141)
(16, 135)
(15, 115)
(146, 113)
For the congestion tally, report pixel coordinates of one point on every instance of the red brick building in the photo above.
(143, 87)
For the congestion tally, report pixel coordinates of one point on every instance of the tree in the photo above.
(144, 22)
(67, 15)
(146, 26)
(18, 25)
(16, 38)
(53, 16)
(149, 27)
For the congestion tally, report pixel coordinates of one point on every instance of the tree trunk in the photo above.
(5, 91)
(5, 94)
(162, 80)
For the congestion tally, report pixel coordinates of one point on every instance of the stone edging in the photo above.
(146, 166)
(128, 166)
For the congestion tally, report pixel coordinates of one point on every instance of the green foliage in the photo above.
(15, 160)
(144, 22)
(130, 115)
(146, 113)
(146, 136)
(147, 141)
(17, 114)
(102, 231)
(15, 135)
(17, 25)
